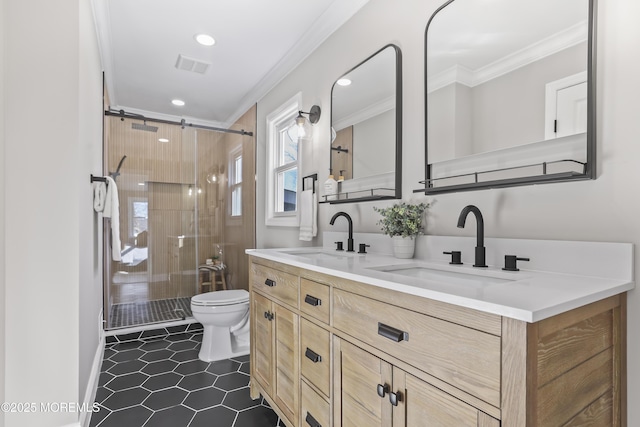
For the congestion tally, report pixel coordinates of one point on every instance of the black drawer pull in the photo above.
(392, 333)
(312, 300)
(312, 355)
(270, 283)
(394, 398)
(312, 421)
(382, 390)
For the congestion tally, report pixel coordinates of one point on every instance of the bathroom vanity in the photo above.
(341, 339)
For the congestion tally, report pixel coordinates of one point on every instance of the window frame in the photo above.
(283, 115)
(234, 155)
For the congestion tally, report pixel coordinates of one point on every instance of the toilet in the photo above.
(224, 316)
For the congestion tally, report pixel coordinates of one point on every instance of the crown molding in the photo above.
(555, 43)
(366, 113)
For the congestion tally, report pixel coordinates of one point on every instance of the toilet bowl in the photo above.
(224, 316)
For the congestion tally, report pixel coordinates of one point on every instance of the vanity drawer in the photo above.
(275, 283)
(315, 353)
(463, 357)
(314, 410)
(314, 299)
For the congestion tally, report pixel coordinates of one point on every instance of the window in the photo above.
(235, 183)
(138, 215)
(284, 164)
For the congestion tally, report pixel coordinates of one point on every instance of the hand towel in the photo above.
(99, 196)
(308, 215)
(112, 210)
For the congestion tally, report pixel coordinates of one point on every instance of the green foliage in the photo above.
(402, 219)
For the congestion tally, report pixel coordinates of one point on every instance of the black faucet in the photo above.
(346, 215)
(480, 249)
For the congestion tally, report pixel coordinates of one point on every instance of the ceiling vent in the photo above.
(191, 64)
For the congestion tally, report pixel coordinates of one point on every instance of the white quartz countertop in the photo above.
(526, 295)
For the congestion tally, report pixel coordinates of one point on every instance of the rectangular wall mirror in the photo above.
(510, 89)
(366, 129)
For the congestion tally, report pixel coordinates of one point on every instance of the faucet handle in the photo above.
(339, 246)
(456, 257)
(363, 248)
(510, 262)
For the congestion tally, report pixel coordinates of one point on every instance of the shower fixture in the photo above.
(115, 174)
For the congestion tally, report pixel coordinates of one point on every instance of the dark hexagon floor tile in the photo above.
(153, 334)
(154, 356)
(126, 398)
(177, 329)
(105, 377)
(178, 337)
(195, 327)
(123, 346)
(133, 336)
(108, 352)
(134, 416)
(218, 416)
(241, 359)
(160, 367)
(165, 398)
(197, 381)
(126, 381)
(221, 367)
(183, 345)
(183, 356)
(158, 382)
(172, 417)
(102, 393)
(246, 368)
(240, 400)
(155, 345)
(232, 381)
(127, 367)
(204, 398)
(196, 337)
(123, 356)
(191, 367)
(97, 417)
(260, 416)
(106, 364)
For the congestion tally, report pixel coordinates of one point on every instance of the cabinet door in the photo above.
(263, 334)
(360, 374)
(287, 386)
(426, 405)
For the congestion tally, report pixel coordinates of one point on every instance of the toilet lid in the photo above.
(229, 297)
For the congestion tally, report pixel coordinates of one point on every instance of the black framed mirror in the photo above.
(510, 94)
(366, 129)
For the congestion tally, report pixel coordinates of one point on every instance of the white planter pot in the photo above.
(403, 247)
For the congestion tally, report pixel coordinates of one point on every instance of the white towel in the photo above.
(308, 215)
(112, 210)
(99, 196)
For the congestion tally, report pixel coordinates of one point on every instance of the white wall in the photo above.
(52, 142)
(2, 214)
(607, 209)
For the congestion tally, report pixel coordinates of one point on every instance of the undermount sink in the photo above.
(443, 276)
(315, 254)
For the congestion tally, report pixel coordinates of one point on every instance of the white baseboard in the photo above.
(92, 385)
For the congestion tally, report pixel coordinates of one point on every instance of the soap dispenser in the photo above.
(330, 187)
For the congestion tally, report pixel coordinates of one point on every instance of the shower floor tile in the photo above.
(182, 391)
(142, 313)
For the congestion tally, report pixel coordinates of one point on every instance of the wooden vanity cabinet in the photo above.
(380, 357)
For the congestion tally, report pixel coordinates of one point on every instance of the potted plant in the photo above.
(403, 222)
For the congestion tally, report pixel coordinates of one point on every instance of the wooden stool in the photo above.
(211, 276)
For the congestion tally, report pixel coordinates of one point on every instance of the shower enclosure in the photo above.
(186, 195)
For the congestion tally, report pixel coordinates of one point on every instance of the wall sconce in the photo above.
(301, 130)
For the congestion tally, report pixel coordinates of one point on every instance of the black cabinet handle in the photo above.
(268, 315)
(270, 283)
(392, 333)
(312, 355)
(382, 390)
(312, 421)
(312, 300)
(394, 398)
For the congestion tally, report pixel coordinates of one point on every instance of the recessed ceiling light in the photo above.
(141, 184)
(163, 140)
(344, 82)
(177, 102)
(205, 39)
